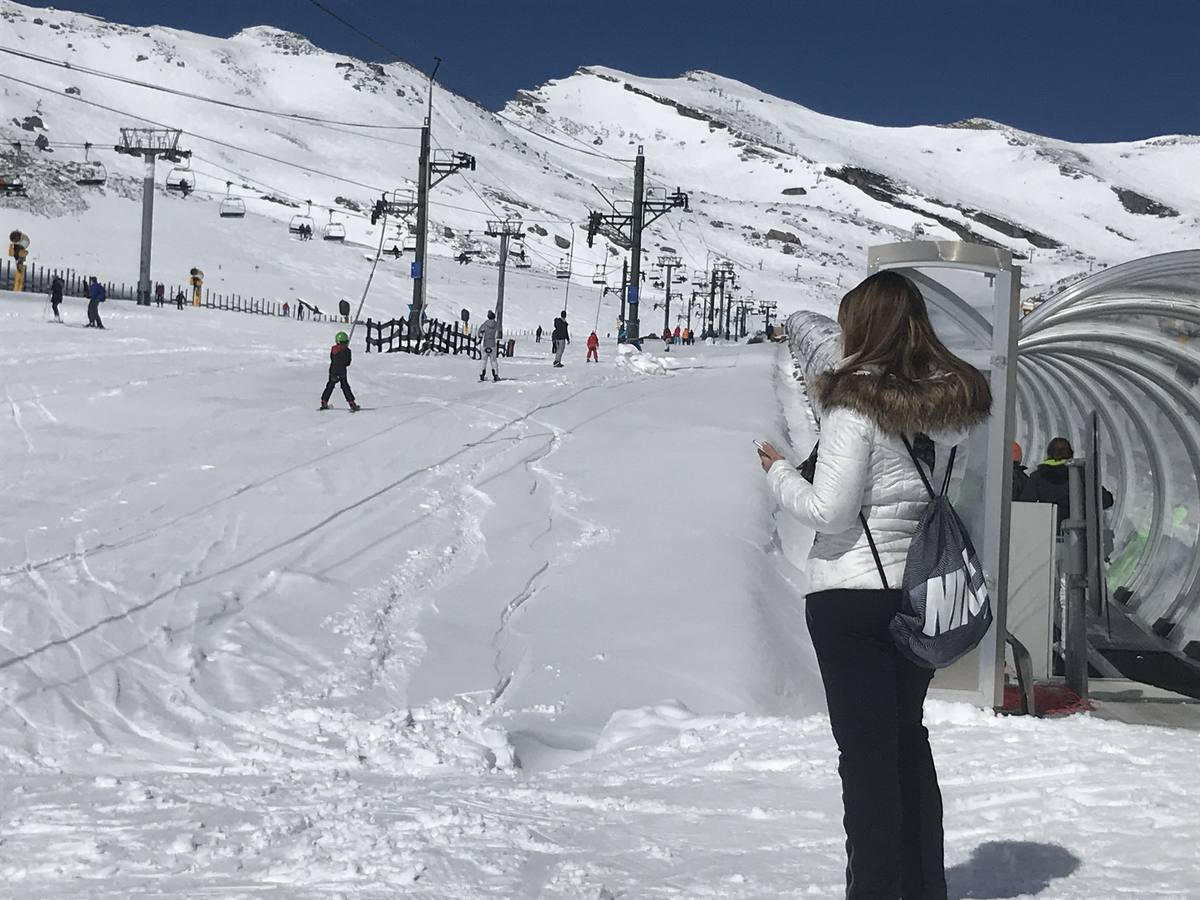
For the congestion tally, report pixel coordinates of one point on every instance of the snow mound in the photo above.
(634, 360)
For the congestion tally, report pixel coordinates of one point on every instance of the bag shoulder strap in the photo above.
(874, 551)
(921, 470)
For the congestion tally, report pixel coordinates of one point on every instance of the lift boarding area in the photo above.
(1106, 606)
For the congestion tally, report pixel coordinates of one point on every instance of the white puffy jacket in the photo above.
(860, 468)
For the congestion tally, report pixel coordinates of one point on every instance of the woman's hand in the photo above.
(768, 455)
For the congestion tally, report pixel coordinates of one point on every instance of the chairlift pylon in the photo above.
(232, 207)
(95, 173)
(334, 231)
(300, 222)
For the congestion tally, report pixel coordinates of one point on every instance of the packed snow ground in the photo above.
(526, 639)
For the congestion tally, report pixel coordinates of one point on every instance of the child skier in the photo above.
(339, 361)
(593, 345)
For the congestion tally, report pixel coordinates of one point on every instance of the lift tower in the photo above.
(625, 230)
(434, 168)
(150, 144)
(669, 264)
(503, 229)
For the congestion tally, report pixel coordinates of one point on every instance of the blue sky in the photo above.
(1084, 70)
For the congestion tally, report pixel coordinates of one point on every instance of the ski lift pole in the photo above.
(570, 268)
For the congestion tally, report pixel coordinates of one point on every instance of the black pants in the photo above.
(94, 314)
(54, 306)
(334, 379)
(893, 807)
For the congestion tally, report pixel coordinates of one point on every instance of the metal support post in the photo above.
(1076, 568)
(418, 264)
(145, 291)
(635, 269)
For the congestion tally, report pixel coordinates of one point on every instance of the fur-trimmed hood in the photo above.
(939, 404)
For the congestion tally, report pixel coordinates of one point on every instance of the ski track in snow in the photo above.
(209, 642)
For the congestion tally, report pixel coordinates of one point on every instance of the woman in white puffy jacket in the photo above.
(897, 381)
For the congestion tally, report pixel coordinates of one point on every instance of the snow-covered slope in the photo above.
(791, 196)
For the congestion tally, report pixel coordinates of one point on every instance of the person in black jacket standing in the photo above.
(339, 361)
(1049, 483)
(562, 337)
(56, 292)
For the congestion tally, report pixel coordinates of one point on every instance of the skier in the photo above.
(562, 337)
(666, 337)
(593, 345)
(538, 338)
(489, 333)
(56, 291)
(159, 292)
(96, 296)
(179, 298)
(339, 361)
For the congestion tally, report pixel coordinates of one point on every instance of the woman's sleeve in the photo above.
(834, 499)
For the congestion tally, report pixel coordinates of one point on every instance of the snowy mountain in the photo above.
(791, 196)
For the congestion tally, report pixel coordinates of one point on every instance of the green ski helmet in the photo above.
(342, 338)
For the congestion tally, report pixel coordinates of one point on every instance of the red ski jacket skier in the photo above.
(593, 345)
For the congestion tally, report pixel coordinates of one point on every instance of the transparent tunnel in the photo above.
(1120, 347)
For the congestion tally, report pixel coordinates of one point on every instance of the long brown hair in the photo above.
(886, 328)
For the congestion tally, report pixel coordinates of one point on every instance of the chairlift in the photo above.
(11, 186)
(410, 244)
(563, 270)
(598, 276)
(232, 207)
(299, 222)
(181, 179)
(95, 173)
(657, 283)
(334, 231)
(680, 278)
(522, 262)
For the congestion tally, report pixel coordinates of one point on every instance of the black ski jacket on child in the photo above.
(339, 360)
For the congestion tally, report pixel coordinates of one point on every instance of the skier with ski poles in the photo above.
(339, 361)
(489, 335)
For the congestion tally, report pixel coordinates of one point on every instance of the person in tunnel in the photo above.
(1048, 483)
(1020, 476)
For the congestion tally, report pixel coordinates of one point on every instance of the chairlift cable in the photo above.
(325, 9)
(560, 143)
(112, 76)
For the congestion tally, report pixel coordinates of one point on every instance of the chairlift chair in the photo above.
(522, 262)
(409, 245)
(563, 270)
(95, 173)
(680, 278)
(232, 207)
(181, 179)
(334, 231)
(301, 221)
(599, 276)
(11, 186)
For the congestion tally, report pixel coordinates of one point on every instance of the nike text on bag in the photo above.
(944, 609)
